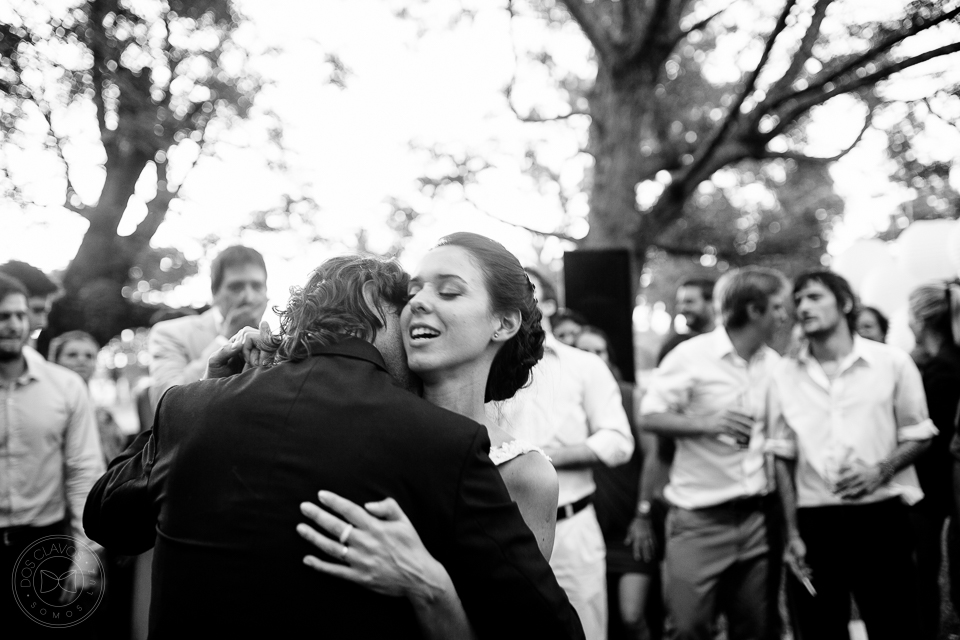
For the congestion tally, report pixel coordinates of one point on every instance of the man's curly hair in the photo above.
(331, 306)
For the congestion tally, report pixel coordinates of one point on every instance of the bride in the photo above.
(471, 332)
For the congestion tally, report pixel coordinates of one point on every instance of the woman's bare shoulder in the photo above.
(531, 479)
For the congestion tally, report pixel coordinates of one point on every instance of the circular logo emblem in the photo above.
(51, 589)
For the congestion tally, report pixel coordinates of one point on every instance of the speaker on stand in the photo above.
(597, 285)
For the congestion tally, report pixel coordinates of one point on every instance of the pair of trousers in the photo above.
(718, 560)
(928, 528)
(579, 563)
(14, 623)
(863, 550)
(953, 560)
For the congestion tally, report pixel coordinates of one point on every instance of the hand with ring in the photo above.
(377, 546)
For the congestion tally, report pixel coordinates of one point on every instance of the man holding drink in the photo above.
(848, 419)
(710, 393)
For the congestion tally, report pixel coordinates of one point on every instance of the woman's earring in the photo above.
(496, 334)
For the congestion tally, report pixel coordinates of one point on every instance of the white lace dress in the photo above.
(513, 449)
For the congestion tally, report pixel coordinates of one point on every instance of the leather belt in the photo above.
(568, 510)
(743, 504)
(10, 536)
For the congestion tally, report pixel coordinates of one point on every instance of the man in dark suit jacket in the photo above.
(218, 483)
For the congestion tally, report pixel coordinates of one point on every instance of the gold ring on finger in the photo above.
(343, 554)
(345, 535)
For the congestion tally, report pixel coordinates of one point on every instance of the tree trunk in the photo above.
(624, 150)
(96, 276)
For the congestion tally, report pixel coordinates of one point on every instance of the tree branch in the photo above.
(802, 157)
(97, 14)
(156, 208)
(531, 117)
(44, 110)
(589, 23)
(630, 17)
(803, 51)
(551, 234)
(702, 24)
(940, 116)
(546, 234)
(644, 44)
(710, 147)
(867, 56)
(859, 83)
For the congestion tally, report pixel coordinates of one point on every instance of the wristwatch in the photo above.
(643, 509)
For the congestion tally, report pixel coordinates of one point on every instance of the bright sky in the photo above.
(351, 147)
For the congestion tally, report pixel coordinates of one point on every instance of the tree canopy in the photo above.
(130, 95)
(691, 123)
(696, 116)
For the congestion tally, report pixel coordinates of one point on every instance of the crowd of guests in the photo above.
(683, 506)
(836, 455)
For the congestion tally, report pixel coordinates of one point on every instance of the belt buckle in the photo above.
(568, 510)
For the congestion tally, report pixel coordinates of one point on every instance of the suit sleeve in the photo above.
(170, 361)
(120, 512)
(506, 586)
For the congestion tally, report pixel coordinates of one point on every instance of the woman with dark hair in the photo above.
(471, 331)
(932, 309)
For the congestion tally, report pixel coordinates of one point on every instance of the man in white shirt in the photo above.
(710, 394)
(849, 418)
(49, 459)
(179, 348)
(573, 410)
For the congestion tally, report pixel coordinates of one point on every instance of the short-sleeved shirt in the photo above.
(701, 377)
(874, 402)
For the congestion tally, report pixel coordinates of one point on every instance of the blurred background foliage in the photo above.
(692, 120)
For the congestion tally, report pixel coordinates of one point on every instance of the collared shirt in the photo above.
(572, 399)
(874, 402)
(49, 448)
(701, 377)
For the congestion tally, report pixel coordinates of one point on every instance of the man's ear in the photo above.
(753, 311)
(847, 307)
(371, 298)
(510, 322)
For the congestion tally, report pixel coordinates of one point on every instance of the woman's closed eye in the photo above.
(448, 293)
